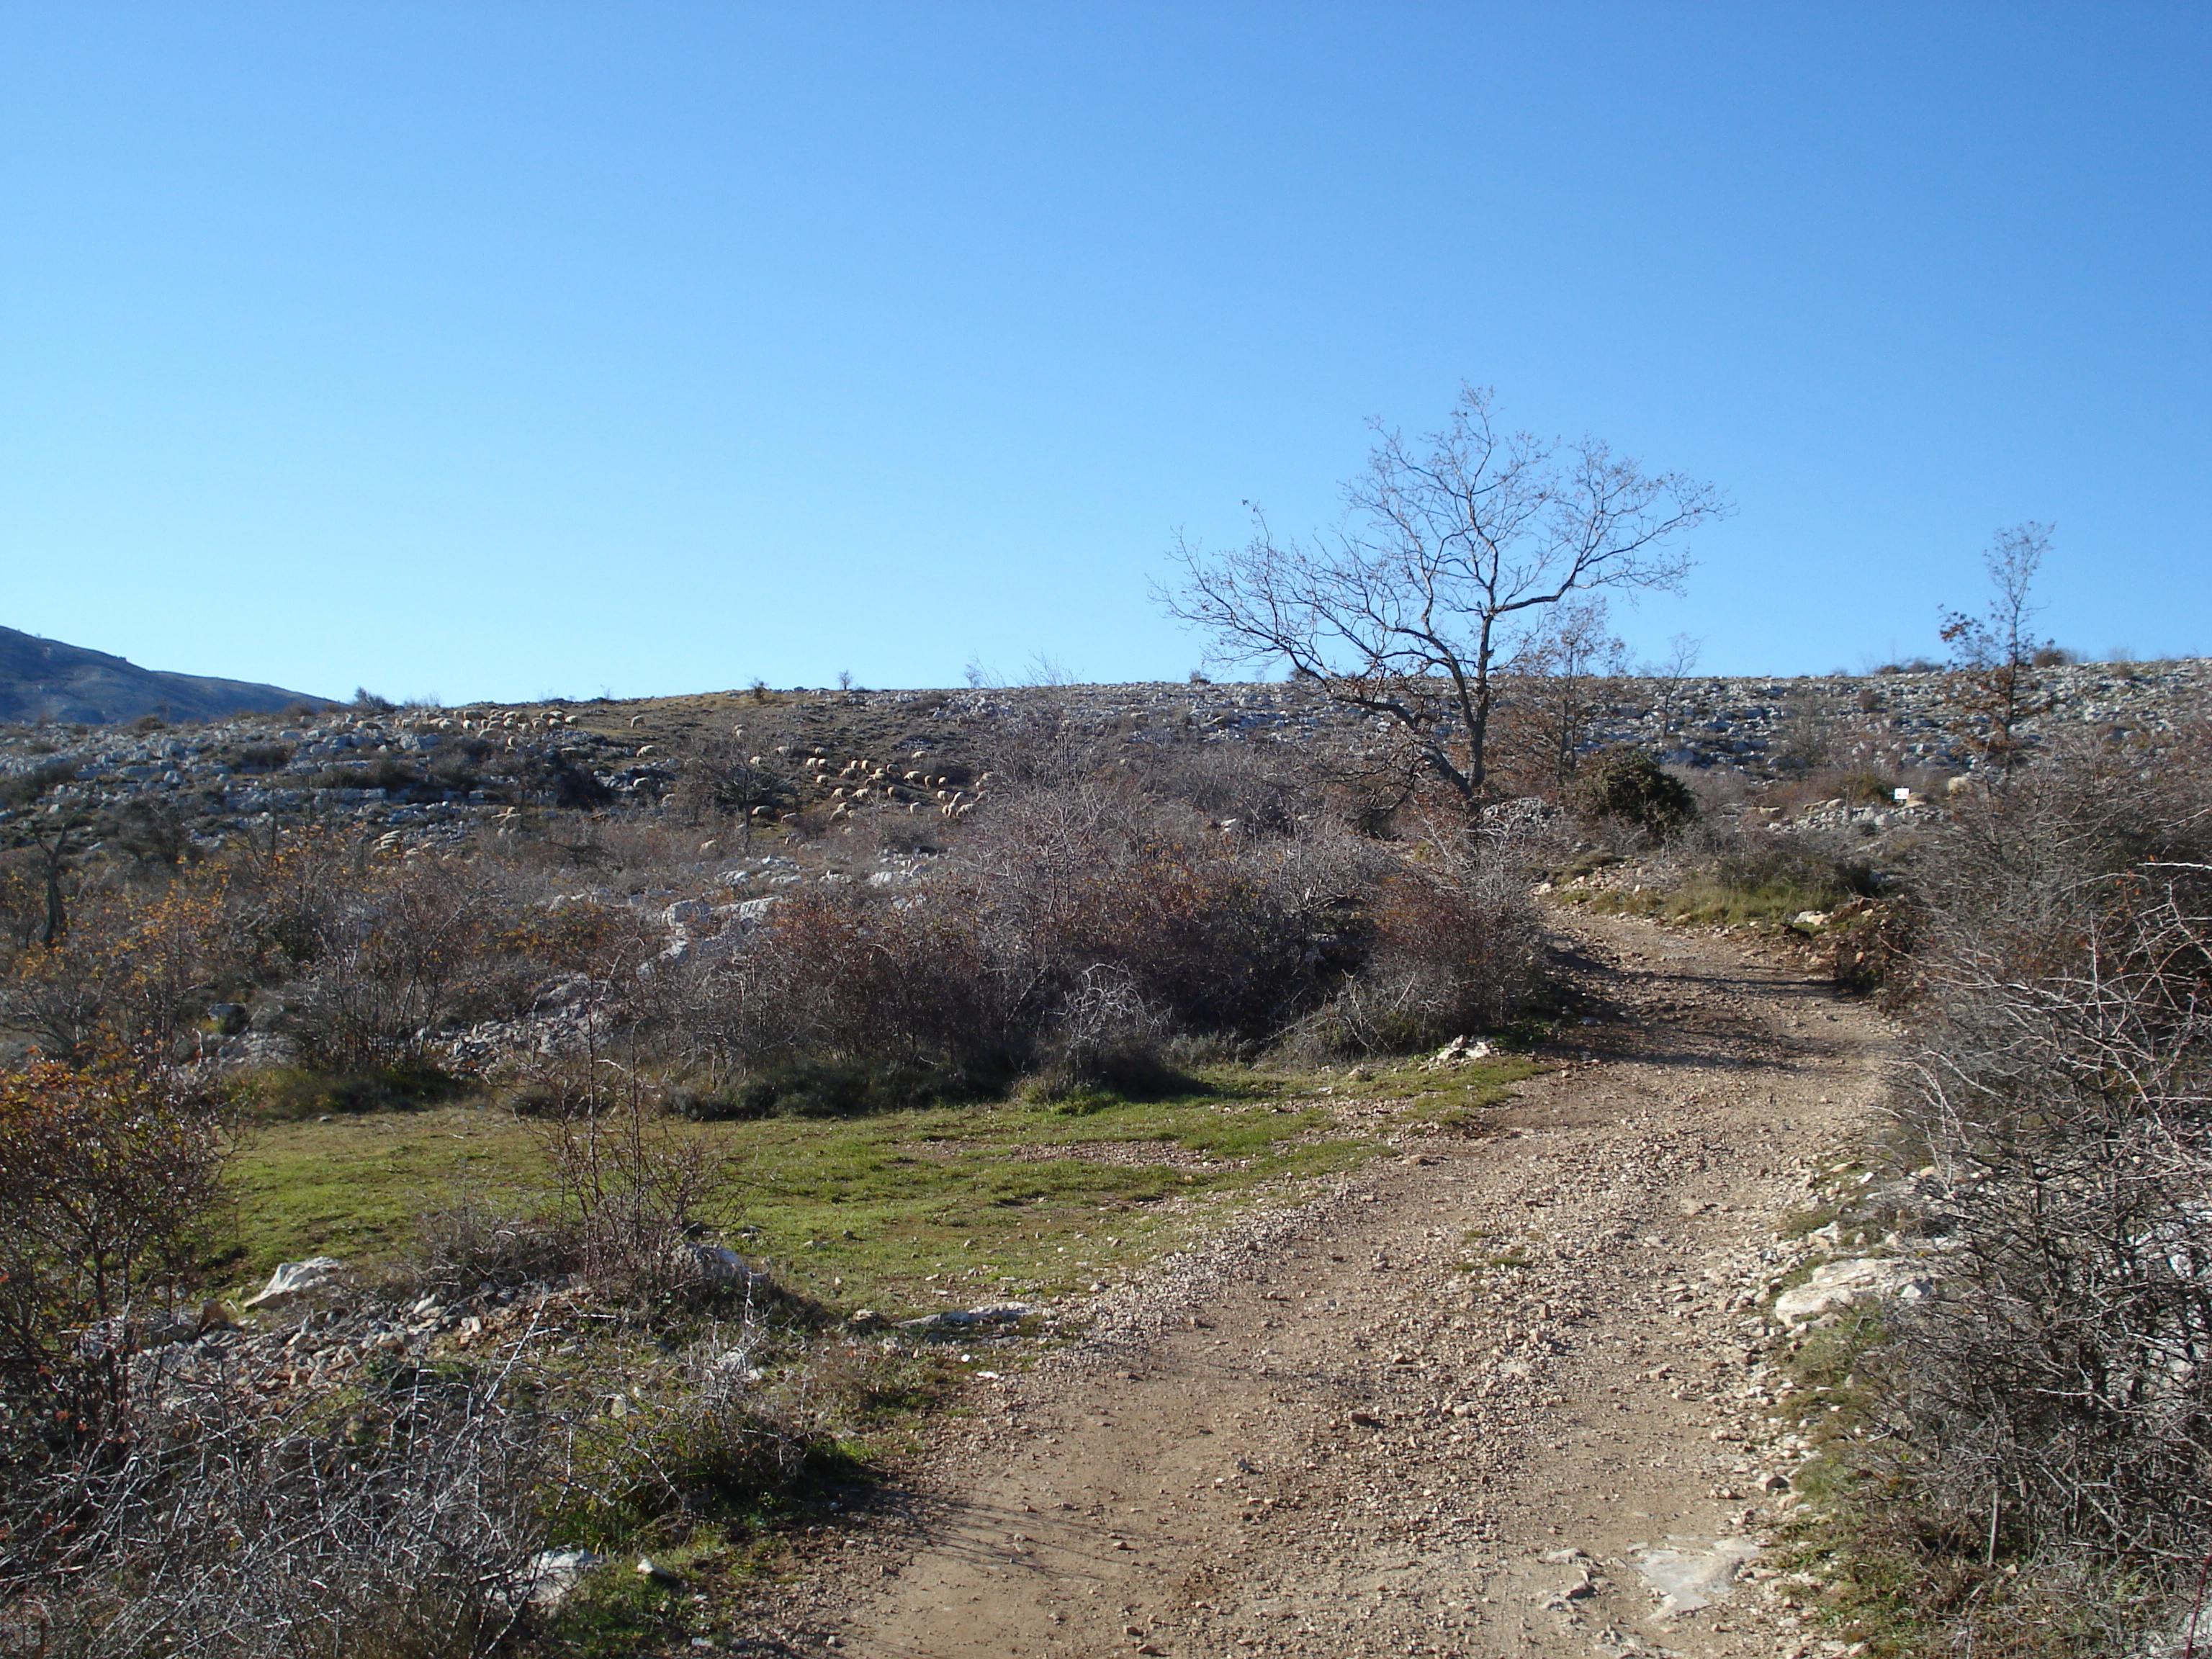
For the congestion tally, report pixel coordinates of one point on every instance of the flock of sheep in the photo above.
(858, 781)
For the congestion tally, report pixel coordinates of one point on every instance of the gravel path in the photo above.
(1502, 1396)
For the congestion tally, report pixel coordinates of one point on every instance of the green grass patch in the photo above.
(945, 1206)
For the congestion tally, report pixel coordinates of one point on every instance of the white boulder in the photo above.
(291, 1277)
(1837, 1285)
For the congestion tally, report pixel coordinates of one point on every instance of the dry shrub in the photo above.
(399, 957)
(1445, 960)
(1105, 1035)
(378, 955)
(629, 1188)
(291, 896)
(22, 899)
(236, 1526)
(2053, 1402)
(1079, 928)
(853, 977)
(133, 968)
(475, 1241)
(105, 1177)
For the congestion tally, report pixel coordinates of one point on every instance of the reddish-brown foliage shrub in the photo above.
(105, 1177)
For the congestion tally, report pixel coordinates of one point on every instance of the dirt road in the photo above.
(1491, 1398)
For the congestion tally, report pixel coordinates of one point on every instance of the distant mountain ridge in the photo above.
(48, 680)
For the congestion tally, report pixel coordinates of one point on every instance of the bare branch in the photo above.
(1403, 613)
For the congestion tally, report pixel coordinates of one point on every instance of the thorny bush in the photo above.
(249, 1528)
(2053, 1400)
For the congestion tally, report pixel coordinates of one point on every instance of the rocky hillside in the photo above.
(431, 773)
(45, 680)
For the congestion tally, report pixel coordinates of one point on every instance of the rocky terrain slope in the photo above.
(427, 775)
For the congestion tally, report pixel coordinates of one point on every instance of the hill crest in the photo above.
(43, 680)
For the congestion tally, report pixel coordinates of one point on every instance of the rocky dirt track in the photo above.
(1502, 1396)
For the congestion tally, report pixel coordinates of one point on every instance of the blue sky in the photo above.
(493, 350)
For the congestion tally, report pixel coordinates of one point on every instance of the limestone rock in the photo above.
(552, 1574)
(969, 1321)
(711, 1264)
(1459, 1052)
(1837, 1285)
(292, 1277)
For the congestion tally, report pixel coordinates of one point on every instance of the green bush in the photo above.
(1630, 787)
(826, 1089)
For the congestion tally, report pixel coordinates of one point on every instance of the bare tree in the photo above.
(1563, 672)
(1404, 612)
(53, 858)
(1995, 656)
(1670, 674)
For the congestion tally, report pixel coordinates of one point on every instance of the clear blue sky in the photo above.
(494, 350)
